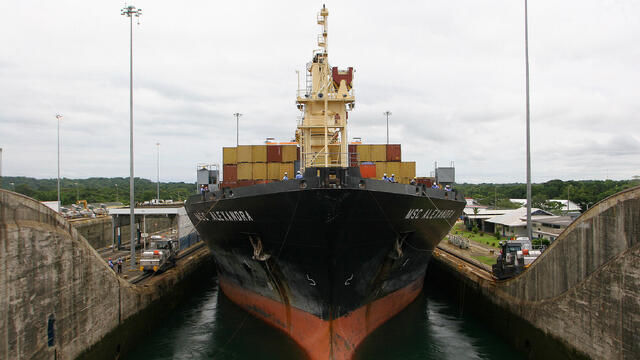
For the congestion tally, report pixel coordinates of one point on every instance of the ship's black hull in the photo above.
(323, 249)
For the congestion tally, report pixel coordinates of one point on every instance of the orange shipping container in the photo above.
(368, 170)
(229, 156)
(245, 171)
(394, 152)
(243, 154)
(259, 171)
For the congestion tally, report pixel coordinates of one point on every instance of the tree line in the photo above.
(96, 190)
(585, 193)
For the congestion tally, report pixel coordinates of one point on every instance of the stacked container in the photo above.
(386, 159)
(258, 164)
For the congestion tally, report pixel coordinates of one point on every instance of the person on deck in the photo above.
(413, 181)
(285, 177)
(392, 178)
(435, 186)
(298, 175)
(384, 177)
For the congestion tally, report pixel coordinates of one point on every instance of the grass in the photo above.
(483, 238)
(489, 260)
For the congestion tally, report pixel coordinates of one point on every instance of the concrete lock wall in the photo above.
(584, 291)
(51, 278)
(97, 231)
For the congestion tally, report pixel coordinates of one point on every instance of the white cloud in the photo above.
(452, 73)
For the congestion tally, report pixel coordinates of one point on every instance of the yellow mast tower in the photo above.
(328, 95)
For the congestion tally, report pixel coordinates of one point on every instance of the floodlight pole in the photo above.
(387, 113)
(131, 11)
(526, 52)
(237, 115)
(158, 183)
(58, 116)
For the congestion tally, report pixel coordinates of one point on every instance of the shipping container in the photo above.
(259, 171)
(405, 180)
(229, 156)
(273, 171)
(243, 154)
(259, 153)
(353, 155)
(393, 168)
(245, 171)
(242, 183)
(263, 181)
(274, 153)
(230, 173)
(427, 181)
(289, 153)
(229, 184)
(368, 170)
(364, 153)
(408, 169)
(381, 169)
(394, 152)
(288, 168)
(378, 153)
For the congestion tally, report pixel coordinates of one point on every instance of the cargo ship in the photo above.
(329, 255)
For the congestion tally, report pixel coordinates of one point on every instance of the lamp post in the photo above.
(13, 186)
(237, 115)
(77, 193)
(58, 116)
(158, 183)
(387, 114)
(131, 11)
(526, 56)
(117, 197)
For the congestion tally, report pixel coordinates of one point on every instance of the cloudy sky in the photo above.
(452, 73)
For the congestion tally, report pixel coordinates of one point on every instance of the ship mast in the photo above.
(328, 95)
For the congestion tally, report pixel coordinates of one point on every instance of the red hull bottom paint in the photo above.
(322, 340)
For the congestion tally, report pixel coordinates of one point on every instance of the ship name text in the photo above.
(223, 215)
(417, 214)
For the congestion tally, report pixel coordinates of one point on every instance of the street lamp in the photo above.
(158, 183)
(526, 56)
(237, 115)
(13, 186)
(131, 11)
(58, 116)
(387, 113)
(117, 197)
(77, 193)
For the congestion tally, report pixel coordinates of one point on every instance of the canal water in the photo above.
(209, 326)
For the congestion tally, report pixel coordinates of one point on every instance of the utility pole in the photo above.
(237, 115)
(58, 116)
(117, 197)
(131, 11)
(526, 56)
(0, 168)
(387, 113)
(77, 193)
(158, 183)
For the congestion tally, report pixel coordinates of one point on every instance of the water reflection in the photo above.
(209, 326)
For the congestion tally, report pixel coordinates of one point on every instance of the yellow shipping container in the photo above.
(273, 171)
(378, 153)
(245, 171)
(364, 152)
(289, 153)
(393, 168)
(405, 180)
(229, 156)
(259, 154)
(244, 155)
(408, 169)
(288, 168)
(381, 169)
(259, 171)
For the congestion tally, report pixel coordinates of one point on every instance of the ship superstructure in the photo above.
(325, 102)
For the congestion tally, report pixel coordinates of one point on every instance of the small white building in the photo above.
(513, 223)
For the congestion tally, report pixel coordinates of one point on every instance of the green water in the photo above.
(209, 326)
